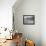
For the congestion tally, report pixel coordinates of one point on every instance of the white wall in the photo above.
(6, 13)
(29, 7)
(43, 22)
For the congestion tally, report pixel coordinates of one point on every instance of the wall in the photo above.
(6, 13)
(28, 7)
(43, 22)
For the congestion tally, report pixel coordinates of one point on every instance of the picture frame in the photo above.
(28, 19)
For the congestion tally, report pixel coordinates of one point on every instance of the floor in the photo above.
(9, 43)
(13, 42)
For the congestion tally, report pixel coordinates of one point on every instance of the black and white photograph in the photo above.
(29, 19)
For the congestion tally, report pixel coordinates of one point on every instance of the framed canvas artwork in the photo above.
(28, 19)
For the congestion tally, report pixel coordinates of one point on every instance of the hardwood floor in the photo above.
(15, 41)
(9, 43)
